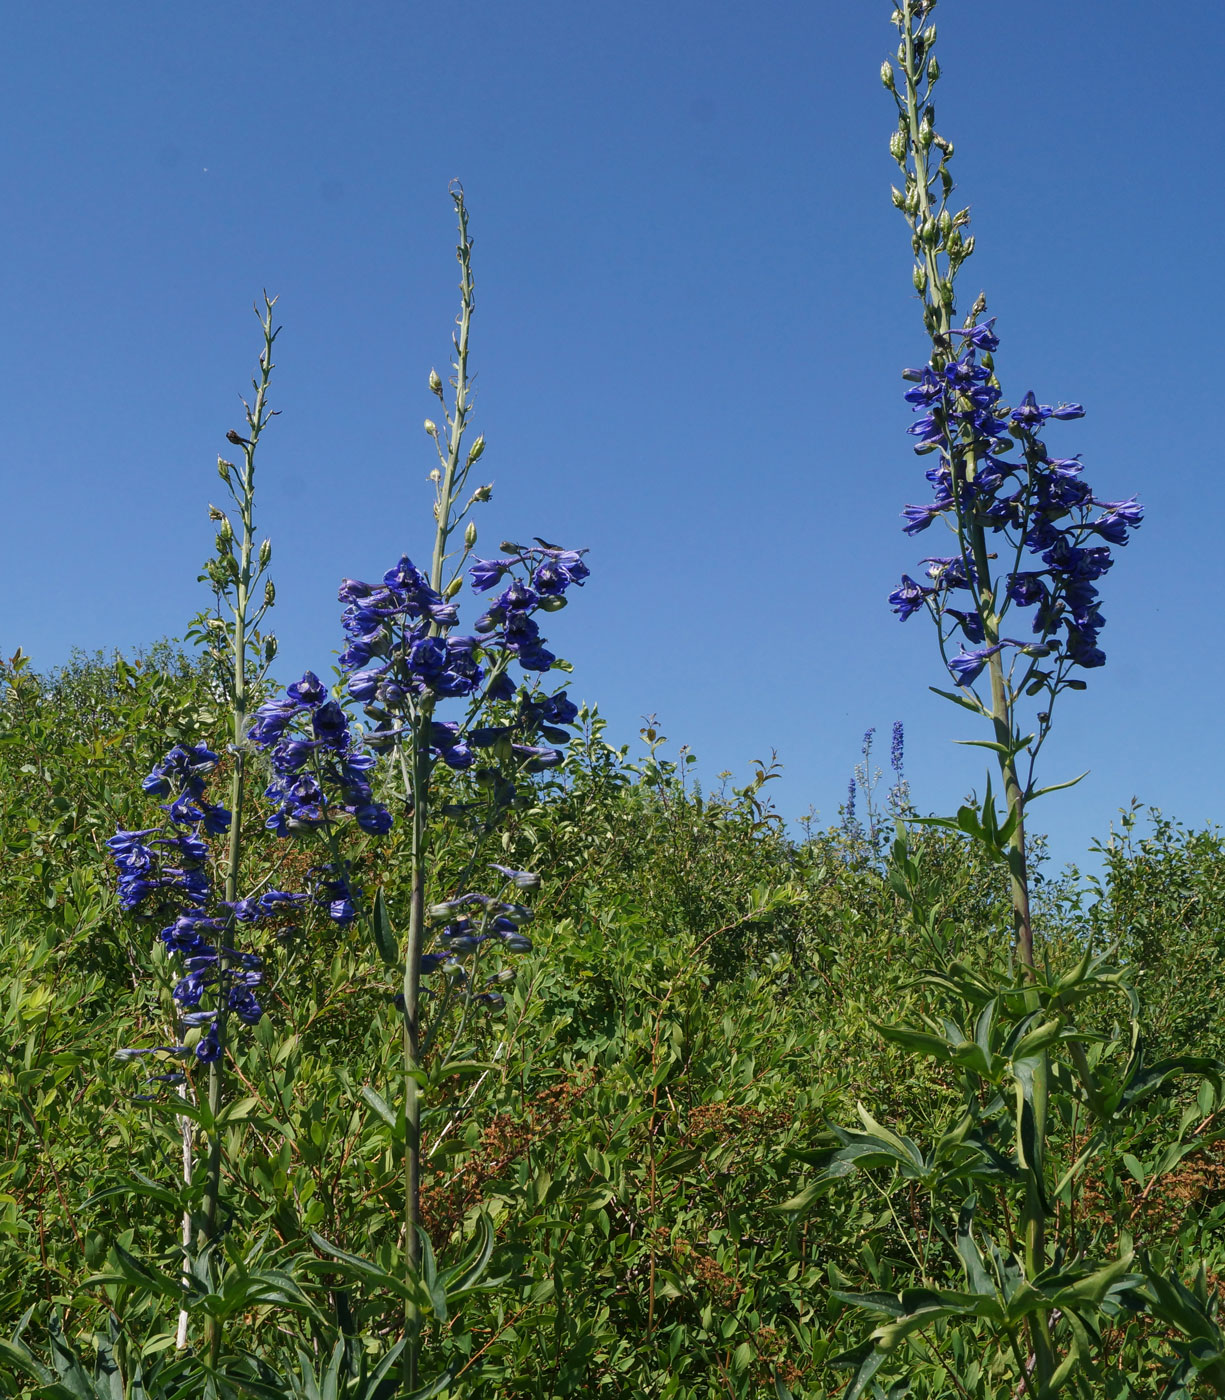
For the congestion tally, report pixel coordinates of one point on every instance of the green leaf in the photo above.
(143, 1186)
(1041, 1038)
(979, 1279)
(921, 1042)
(18, 1355)
(867, 1359)
(966, 704)
(354, 1266)
(134, 1272)
(381, 1107)
(1134, 1167)
(1057, 787)
(384, 939)
(435, 1387)
(237, 1112)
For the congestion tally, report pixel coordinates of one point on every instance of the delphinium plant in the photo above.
(864, 781)
(403, 660)
(186, 873)
(1013, 591)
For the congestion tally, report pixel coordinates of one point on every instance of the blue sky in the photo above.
(693, 303)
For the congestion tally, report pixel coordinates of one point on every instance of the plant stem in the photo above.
(257, 419)
(421, 766)
(938, 306)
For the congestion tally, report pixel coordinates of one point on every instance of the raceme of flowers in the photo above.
(164, 870)
(1038, 506)
(474, 923)
(401, 657)
(320, 769)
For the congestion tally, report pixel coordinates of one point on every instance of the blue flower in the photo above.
(521, 879)
(309, 691)
(373, 818)
(927, 391)
(968, 665)
(486, 574)
(908, 597)
(920, 517)
(982, 337)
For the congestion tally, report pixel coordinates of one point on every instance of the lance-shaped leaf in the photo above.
(380, 927)
(977, 1277)
(1029, 1141)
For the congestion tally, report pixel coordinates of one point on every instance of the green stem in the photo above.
(939, 303)
(444, 512)
(240, 637)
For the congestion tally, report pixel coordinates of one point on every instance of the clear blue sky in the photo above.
(693, 303)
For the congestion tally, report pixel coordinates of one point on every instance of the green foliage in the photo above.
(1165, 907)
(604, 1164)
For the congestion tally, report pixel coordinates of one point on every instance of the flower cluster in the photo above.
(399, 626)
(320, 776)
(1038, 505)
(474, 924)
(319, 764)
(169, 868)
(510, 615)
(401, 656)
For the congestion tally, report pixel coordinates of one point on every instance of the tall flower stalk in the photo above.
(402, 658)
(171, 871)
(1027, 544)
(236, 575)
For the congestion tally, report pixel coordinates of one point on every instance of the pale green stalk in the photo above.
(243, 573)
(932, 229)
(416, 769)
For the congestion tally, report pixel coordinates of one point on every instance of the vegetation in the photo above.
(699, 1008)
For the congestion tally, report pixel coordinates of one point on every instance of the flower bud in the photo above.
(431, 427)
(899, 199)
(967, 247)
(435, 383)
(476, 449)
(945, 223)
(919, 277)
(224, 469)
(470, 534)
(552, 602)
(453, 588)
(265, 553)
(933, 71)
(897, 147)
(269, 646)
(886, 74)
(269, 594)
(926, 133)
(483, 493)
(930, 232)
